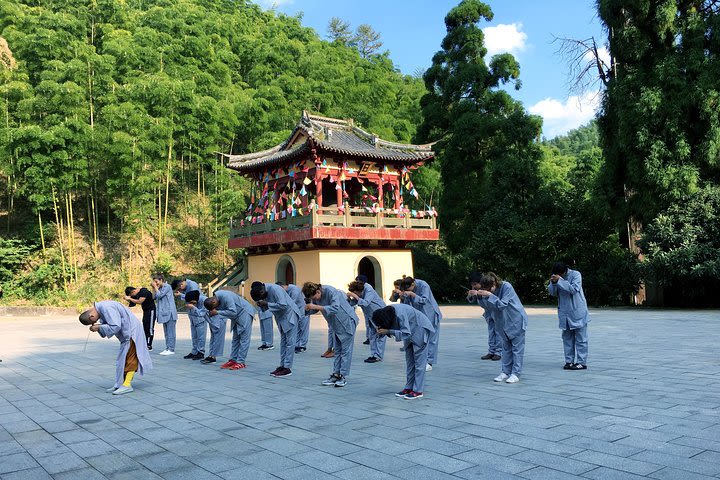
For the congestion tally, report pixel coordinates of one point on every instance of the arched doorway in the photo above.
(285, 270)
(370, 267)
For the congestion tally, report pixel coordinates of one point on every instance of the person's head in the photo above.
(312, 291)
(559, 268)
(89, 316)
(475, 280)
(211, 303)
(283, 285)
(362, 279)
(490, 282)
(385, 318)
(192, 298)
(178, 284)
(397, 283)
(258, 291)
(407, 284)
(130, 291)
(158, 279)
(356, 287)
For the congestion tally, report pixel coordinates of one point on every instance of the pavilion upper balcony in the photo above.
(330, 226)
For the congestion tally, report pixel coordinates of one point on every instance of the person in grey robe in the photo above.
(494, 344)
(303, 329)
(566, 285)
(198, 316)
(181, 286)
(364, 296)
(166, 312)
(274, 298)
(410, 326)
(341, 318)
(417, 293)
(499, 299)
(217, 325)
(265, 318)
(230, 305)
(113, 319)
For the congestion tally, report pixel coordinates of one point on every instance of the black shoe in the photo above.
(495, 357)
(298, 350)
(373, 360)
(366, 342)
(189, 356)
(199, 356)
(265, 347)
(578, 366)
(208, 360)
(568, 366)
(149, 347)
(487, 356)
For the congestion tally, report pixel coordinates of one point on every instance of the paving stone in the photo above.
(37, 473)
(17, 461)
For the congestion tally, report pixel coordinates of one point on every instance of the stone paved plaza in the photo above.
(647, 407)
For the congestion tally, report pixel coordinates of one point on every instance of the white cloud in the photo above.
(602, 53)
(505, 39)
(273, 3)
(559, 117)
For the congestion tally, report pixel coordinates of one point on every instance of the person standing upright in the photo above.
(166, 312)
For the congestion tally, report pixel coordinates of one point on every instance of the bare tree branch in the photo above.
(586, 67)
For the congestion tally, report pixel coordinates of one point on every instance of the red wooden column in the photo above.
(338, 190)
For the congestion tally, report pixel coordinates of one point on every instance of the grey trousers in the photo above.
(287, 346)
(217, 339)
(303, 331)
(575, 345)
(513, 351)
(331, 339)
(415, 361)
(240, 341)
(433, 344)
(198, 332)
(377, 343)
(494, 343)
(169, 330)
(343, 353)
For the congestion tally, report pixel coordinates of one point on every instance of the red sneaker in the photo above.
(228, 364)
(413, 396)
(403, 392)
(237, 366)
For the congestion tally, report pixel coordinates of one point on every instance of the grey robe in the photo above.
(165, 309)
(117, 320)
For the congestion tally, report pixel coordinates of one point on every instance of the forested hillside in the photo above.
(112, 117)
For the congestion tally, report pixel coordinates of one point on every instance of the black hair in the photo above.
(490, 280)
(475, 277)
(176, 283)
(406, 282)
(258, 291)
(85, 317)
(129, 290)
(281, 284)
(361, 278)
(208, 303)
(385, 318)
(192, 296)
(158, 276)
(559, 268)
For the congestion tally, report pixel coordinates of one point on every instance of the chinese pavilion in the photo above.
(328, 204)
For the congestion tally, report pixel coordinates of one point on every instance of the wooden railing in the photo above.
(334, 217)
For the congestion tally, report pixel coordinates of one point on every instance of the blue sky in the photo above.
(413, 29)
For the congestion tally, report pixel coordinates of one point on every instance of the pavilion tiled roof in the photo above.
(332, 136)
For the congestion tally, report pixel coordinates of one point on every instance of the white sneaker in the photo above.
(501, 378)
(111, 390)
(122, 390)
(428, 367)
(512, 379)
(167, 352)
